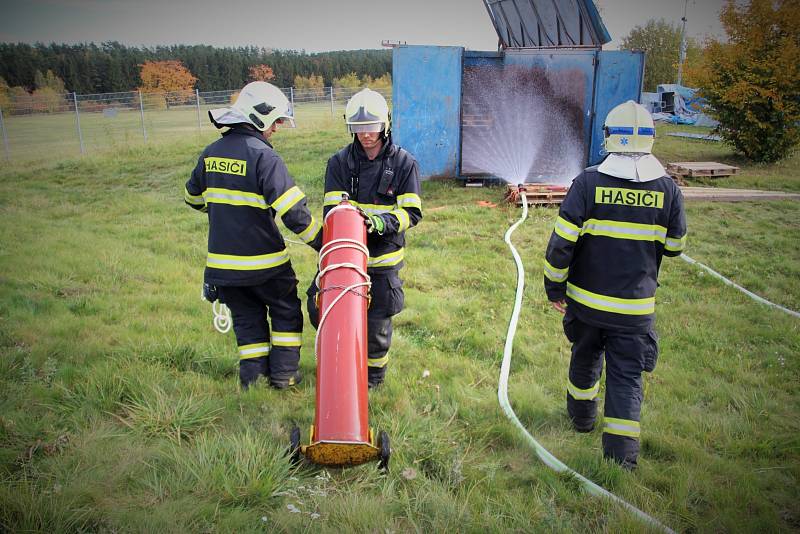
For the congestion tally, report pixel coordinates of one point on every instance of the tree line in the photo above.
(112, 67)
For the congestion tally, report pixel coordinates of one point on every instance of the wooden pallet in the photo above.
(695, 169)
(537, 194)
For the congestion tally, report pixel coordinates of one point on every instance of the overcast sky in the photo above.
(311, 25)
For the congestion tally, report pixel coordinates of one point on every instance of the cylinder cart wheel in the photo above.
(294, 445)
(386, 450)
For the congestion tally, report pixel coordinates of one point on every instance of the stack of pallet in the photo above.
(695, 169)
(537, 194)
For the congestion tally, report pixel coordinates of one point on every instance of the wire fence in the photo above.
(62, 125)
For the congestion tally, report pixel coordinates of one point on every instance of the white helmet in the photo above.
(259, 104)
(629, 128)
(367, 111)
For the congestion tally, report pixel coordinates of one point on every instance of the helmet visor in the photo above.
(365, 128)
(285, 121)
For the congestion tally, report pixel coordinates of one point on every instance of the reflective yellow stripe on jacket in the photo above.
(194, 200)
(387, 260)
(308, 235)
(566, 229)
(675, 245)
(232, 197)
(247, 263)
(554, 273)
(284, 203)
(409, 200)
(611, 304)
(332, 198)
(624, 230)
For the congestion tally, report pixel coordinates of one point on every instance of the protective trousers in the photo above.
(387, 299)
(273, 353)
(626, 356)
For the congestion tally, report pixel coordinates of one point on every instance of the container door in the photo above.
(619, 79)
(426, 100)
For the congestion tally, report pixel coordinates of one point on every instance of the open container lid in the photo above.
(547, 23)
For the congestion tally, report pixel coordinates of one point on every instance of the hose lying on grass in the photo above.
(737, 286)
(502, 391)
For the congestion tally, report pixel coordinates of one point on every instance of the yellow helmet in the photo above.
(367, 111)
(259, 104)
(629, 128)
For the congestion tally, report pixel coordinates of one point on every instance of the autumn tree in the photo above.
(5, 94)
(349, 80)
(312, 84)
(49, 93)
(661, 42)
(752, 81)
(171, 77)
(261, 73)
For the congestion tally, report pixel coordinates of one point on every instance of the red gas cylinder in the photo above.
(341, 434)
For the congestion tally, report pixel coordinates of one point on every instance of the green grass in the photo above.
(120, 410)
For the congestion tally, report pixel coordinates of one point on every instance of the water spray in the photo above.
(502, 390)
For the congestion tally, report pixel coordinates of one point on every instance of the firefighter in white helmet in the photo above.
(601, 269)
(244, 186)
(381, 179)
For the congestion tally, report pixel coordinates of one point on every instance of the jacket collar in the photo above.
(244, 130)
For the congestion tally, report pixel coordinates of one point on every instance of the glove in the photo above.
(374, 224)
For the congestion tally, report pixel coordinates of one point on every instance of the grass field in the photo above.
(120, 409)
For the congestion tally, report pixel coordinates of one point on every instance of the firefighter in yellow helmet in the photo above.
(381, 179)
(601, 271)
(244, 186)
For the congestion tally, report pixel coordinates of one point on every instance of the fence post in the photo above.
(197, 94)
(5, 135)
(331, 101)
(291, 97)
(78, 119)
(141, 113)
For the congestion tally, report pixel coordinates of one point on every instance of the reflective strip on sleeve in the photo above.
(387, 260)
(332, 198)
(409, 200)
(402, 219)
(246, 263)
(583, 394)
(374, 209)
(194, 200)
(675, 245)
(284, 203)
(311, 231)
(287, 339)
(566, 229)
(378, 362)
(621, 427)
(611, 304)
(624, 230)
(555, 274)
(253, 350)
(232, 197)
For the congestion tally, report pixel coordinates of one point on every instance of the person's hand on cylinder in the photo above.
(374, 224)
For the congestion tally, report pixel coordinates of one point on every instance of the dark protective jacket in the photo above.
(606, 248)
(243, 185)
(387, 186)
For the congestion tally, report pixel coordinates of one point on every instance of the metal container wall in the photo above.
(342, 400)
(434, 109)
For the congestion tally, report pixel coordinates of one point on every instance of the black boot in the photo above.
(375, 376)
(287, 382)
(250, 369)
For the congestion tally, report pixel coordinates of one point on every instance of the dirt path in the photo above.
(734, 195)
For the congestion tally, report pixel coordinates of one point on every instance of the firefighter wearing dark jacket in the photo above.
(616, 223)
(382, 180)
(243, 186)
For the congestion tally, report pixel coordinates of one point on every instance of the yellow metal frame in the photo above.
(341, 453)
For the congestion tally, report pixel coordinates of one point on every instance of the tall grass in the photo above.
(120, 409)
